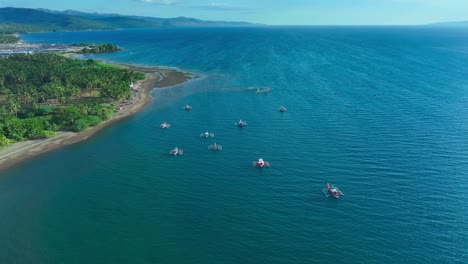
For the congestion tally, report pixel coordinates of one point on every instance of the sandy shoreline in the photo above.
(21, 151)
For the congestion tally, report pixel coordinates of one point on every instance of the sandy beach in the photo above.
(22, 151)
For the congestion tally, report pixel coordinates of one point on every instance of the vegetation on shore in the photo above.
(11, 28)
(8, 38)
(44, 93)
(104, 47)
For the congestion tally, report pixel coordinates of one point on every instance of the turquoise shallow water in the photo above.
(381, 112)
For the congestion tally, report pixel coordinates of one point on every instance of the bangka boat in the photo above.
(332, 191)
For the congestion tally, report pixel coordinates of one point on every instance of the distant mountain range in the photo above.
(33, 20)
(450, 24)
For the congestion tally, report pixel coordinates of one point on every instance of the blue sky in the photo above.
(274, 12)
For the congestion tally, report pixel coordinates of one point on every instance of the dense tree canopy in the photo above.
(8, 38)
(42, 93)
(105, 47)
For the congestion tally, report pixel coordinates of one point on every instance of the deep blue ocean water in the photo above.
(382, 112)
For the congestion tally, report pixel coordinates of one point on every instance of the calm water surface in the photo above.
(380, 112)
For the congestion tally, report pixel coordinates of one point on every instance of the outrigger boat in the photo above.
(332, 191)
(165, 125)
(176, 151)
(263, 90)
(240, 123)
(215, 147)
(260, 163)
(206, 134)
(282, 109)
(187, 107)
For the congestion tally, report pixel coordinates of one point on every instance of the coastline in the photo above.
(21, 151)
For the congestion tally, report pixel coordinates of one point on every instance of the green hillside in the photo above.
(30, 20)
(18, 20)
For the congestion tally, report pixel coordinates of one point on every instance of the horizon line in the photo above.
(438, 23)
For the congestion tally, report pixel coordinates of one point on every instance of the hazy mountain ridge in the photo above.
(450, 24)
(25, 19)
(176, 21)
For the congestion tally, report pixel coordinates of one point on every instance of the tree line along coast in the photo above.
(95, 48)
(8, 38)
(43, 93)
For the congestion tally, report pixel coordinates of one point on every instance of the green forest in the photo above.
(105, 47)
(8, 38)
(44, 93)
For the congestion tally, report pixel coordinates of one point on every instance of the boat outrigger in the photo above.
(215, 147)
(332, 191)
(165, 125)
(206, 134)
(240, 123)
(282, 109)
(263, 90)
(176, 151)
(260, 163)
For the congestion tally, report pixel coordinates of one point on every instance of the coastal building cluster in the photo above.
(30, 48)
(135, 89)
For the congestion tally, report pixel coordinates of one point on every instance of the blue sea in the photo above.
(381, 112)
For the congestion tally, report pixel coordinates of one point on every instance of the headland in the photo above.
(155, 77)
